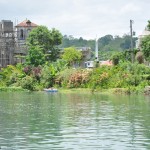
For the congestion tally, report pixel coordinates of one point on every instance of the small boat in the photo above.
(51, 90)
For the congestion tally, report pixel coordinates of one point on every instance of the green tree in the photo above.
(105, 40)
(126, 42)
(145, 46)
(35, 56)
(71, 55)
(148, 26)
(47, 39)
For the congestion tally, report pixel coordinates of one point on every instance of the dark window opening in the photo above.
(21, 34)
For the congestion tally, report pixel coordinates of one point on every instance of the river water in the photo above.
(74, 121)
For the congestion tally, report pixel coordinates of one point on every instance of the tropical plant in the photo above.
(27, 83)
(11, 74)
(48, 74)
(71, 55)
(99, 77)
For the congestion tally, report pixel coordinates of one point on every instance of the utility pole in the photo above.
(131, 32)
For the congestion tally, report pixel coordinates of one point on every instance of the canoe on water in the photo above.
(51, 90)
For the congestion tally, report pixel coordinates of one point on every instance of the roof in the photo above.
(26, 23)
(107, 63)
(145, 33)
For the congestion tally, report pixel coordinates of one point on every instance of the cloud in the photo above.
(85, 18)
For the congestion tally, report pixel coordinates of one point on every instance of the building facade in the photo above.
(6, 43)
(146, 32)
(13, 41)
(22, 31)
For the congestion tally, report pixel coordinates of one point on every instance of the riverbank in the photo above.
(105, 91)
(124, 78)
(12, 89)
(85, 90)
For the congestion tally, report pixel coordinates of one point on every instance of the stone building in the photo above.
(22, 31)
(6, 43)
(13, 41)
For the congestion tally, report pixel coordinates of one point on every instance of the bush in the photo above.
(139, 57)
(99, 77)
(27, 83)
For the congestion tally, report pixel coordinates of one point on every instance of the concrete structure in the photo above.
(86, 55)
(13, 41)
(146, 32)
(89, 64)
(6, 43)
(22, 31)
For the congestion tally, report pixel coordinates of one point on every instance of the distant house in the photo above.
(92, 64)
(86, 55)
(146, 32)
(107, 63)
(89, 64)
(86, 52)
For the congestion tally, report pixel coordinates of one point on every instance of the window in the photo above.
(21, 34)
(2, 26)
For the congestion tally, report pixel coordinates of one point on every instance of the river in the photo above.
(74, 121)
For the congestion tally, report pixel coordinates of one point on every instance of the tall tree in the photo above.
(47, 39)
(105, 40)
(148, 26)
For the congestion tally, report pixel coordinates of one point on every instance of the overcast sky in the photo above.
(80, 18)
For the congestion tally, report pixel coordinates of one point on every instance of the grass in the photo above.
(11, 89)
(104, 91)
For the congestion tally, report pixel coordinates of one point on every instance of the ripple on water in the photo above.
(75, 122)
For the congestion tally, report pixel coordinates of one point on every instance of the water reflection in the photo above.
(74, 121)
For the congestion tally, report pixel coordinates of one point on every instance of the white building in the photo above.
(146, 32)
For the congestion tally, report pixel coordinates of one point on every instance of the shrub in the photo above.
(139, 57)
(99, 77)
(27, 83)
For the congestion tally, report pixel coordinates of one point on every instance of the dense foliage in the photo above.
(43, 69)
(148, 26)
(107, 44)
(71, 55)
(132, 77)
(47, 40)
(35, 56)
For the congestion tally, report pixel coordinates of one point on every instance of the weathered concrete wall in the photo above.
(6, 43)
(6, 26)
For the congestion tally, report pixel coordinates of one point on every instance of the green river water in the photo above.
(74, 121)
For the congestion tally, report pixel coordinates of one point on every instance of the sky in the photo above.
(80, 18)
